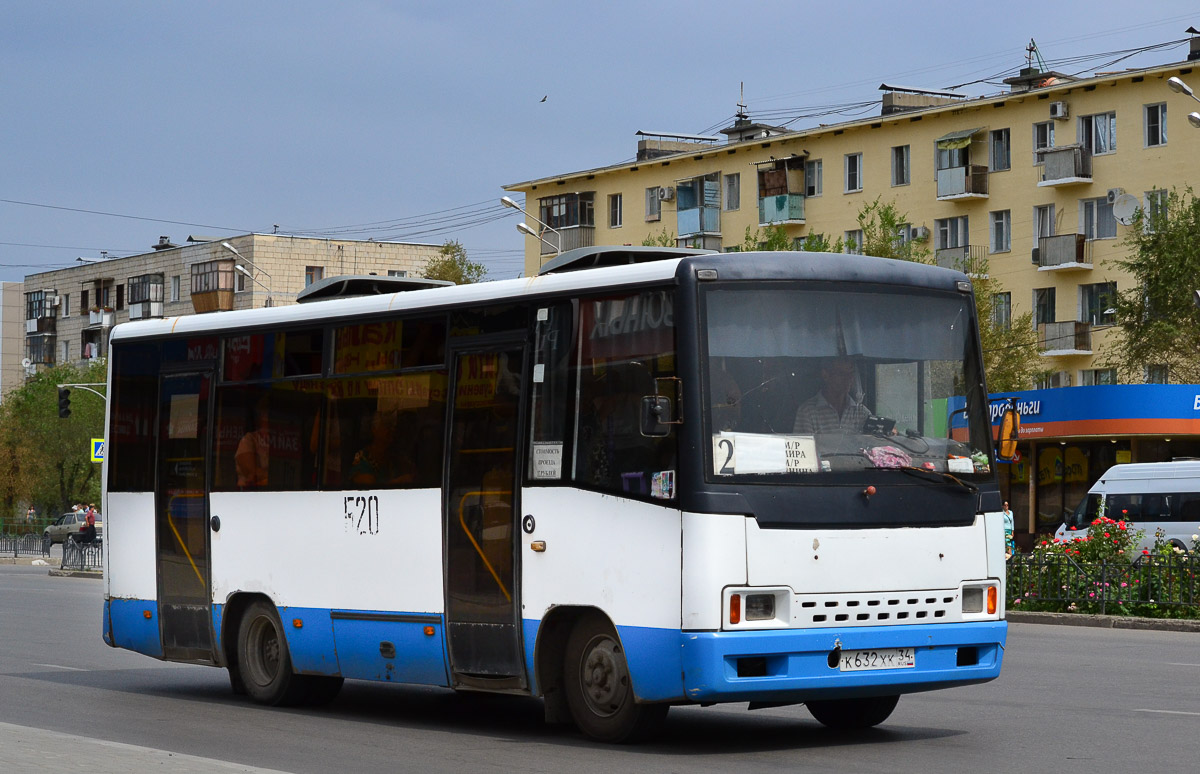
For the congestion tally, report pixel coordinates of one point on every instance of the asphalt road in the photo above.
(1070, 700)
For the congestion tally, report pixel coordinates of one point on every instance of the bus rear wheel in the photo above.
(264, 664)
(851, 714)
(598, 688)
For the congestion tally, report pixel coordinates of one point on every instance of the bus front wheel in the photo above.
(264, 664)
(598, 687)
(849, 714)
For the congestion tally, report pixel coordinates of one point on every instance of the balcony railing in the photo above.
(783, 208)
(100, 317)
(969, 182)
(571, 236)
(1063, 251)
(143, 310)
(1068, 165)
(1065, 338)
(966, 258)
(699, 220)
(41, 325)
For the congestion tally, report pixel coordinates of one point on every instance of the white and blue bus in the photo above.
(636, 480)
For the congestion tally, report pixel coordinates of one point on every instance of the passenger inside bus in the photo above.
(252, 459)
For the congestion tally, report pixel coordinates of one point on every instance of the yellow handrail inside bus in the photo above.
(478, 548)
(182, 543)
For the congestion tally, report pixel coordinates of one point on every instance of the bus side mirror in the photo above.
(1010, 429)
(655, 416)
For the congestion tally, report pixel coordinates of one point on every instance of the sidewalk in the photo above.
(1106, 621)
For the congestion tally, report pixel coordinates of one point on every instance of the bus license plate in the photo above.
(882, 658)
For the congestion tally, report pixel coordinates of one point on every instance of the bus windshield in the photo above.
(805, 381)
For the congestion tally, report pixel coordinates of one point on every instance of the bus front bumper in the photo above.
(794, 665)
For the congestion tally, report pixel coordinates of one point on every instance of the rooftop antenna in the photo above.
(1032, 53)
(741, 105)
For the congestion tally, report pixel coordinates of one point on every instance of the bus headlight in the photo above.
(980, 599)
(760, 607)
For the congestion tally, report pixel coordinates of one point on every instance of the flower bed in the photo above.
(1104, 572)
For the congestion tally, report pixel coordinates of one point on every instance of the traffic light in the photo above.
(64, 403)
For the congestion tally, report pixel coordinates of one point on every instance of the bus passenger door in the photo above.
(480, 507)
(181, 518)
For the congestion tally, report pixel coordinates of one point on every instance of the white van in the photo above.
(1152, 495)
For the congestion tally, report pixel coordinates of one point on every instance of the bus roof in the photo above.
(767, 266)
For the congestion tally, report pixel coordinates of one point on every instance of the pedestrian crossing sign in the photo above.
(97, 450)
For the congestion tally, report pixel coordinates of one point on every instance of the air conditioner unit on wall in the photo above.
(1113, 193)
(1059, 110)
(666, 193)
(920, 232)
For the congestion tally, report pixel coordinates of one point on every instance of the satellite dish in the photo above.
(26, 363)
(1124, 209)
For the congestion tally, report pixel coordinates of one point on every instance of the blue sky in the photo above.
(403, 120)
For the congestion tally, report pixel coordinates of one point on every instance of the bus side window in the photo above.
(624, 344)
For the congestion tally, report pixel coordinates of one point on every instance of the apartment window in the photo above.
(733, 192)
(1002, 310)
(83, 301)
(1089, 377)
(144, 288)
(397, 272)
(574, 209)
(239, 282)
(1098, 133)
(853, 242)
(175, 288)
(1043, 305)
(614, 210)
(904, 233)
(1001, 231)
(1098, 219)
(812, 178)
(313, 274)
(1156, 124)
(951, 232)
(1156, 374)
(120, 297)
(653, 205)
(64, 349)
(211, 276)
(65, 310)
(853, 172)
(1154, 210)
(1043, 137)
(900, 166)
(1043, 222)
(1000, 151)
(1096, 303)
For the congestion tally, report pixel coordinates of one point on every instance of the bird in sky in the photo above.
(543, 99)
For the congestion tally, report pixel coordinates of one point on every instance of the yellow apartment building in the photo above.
(1038, 180)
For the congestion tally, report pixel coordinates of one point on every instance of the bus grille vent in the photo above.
(876, 609)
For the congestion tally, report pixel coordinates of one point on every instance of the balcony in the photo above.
(969, 182)
(699, 220)
(781, 209)
(1064, 252)
(145, 310)
(965, 258)
(1068, 165)
(571, 236)
(45, 324)
(1057, 339)
(100, 318)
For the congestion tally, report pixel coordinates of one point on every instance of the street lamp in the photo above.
(1179, 87)
(526, 229)
(242, 269)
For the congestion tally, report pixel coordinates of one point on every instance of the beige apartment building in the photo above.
(68, 313)
(1040, 181)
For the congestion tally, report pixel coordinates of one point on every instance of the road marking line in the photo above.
(60, 666)
(1187, 665)
(1168, 712)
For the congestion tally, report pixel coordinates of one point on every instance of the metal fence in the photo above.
(1059, 583)
(83, 556)
(29, 544)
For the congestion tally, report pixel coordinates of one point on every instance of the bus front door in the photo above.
(480, 515)
(181, 520)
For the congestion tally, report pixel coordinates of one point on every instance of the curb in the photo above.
(1106, 621)
(56, 572)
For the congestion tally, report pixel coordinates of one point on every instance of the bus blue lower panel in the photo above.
(793, 665)
(127, 625)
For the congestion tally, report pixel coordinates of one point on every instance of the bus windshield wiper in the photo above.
(933, 476)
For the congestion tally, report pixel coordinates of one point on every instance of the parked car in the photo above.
(70, 524)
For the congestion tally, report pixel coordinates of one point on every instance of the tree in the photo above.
(452, 264)
(819, 243)
(1157, 321)
(770, 238)
(662, 239)
(52, 465)
(885, 233)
